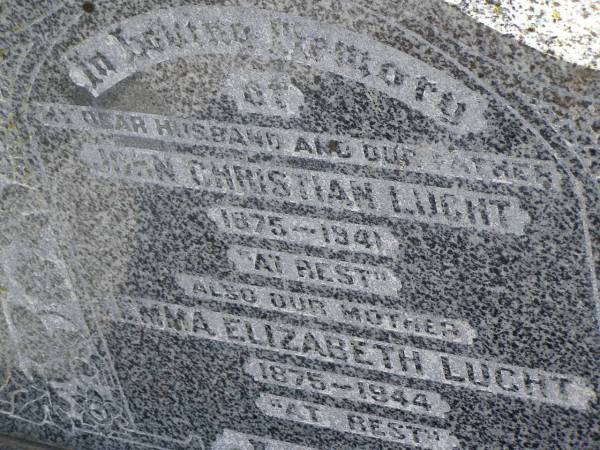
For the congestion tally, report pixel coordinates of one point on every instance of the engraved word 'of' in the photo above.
(135, 44)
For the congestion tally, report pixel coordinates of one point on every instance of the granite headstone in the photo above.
(284, 224)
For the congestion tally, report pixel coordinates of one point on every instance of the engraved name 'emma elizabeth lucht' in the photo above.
(406, 361)
(448, 206)
(433, 159)
(327, 309)
(132, 45)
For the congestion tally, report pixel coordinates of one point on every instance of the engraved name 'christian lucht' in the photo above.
(449, 206)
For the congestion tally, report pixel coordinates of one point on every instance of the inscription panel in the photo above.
(391, 396)
(106, 58)
(351, 422)
(288, 225)
(421, 158)
(326, 272)
(457, 207)
(328, 309)
(306, 231)
(470, 373)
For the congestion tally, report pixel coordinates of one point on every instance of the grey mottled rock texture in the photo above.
(293, 225)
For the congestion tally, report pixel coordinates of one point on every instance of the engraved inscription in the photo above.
(305, 230)
(320, 271)
(413, 197)
(433, 159)
(329, 309)
(448, 206)
(370, 425)
(350, 388)
(455, 370)
(135, 44)
(264, 93)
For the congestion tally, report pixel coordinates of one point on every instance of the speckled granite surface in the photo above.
(294, 225)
